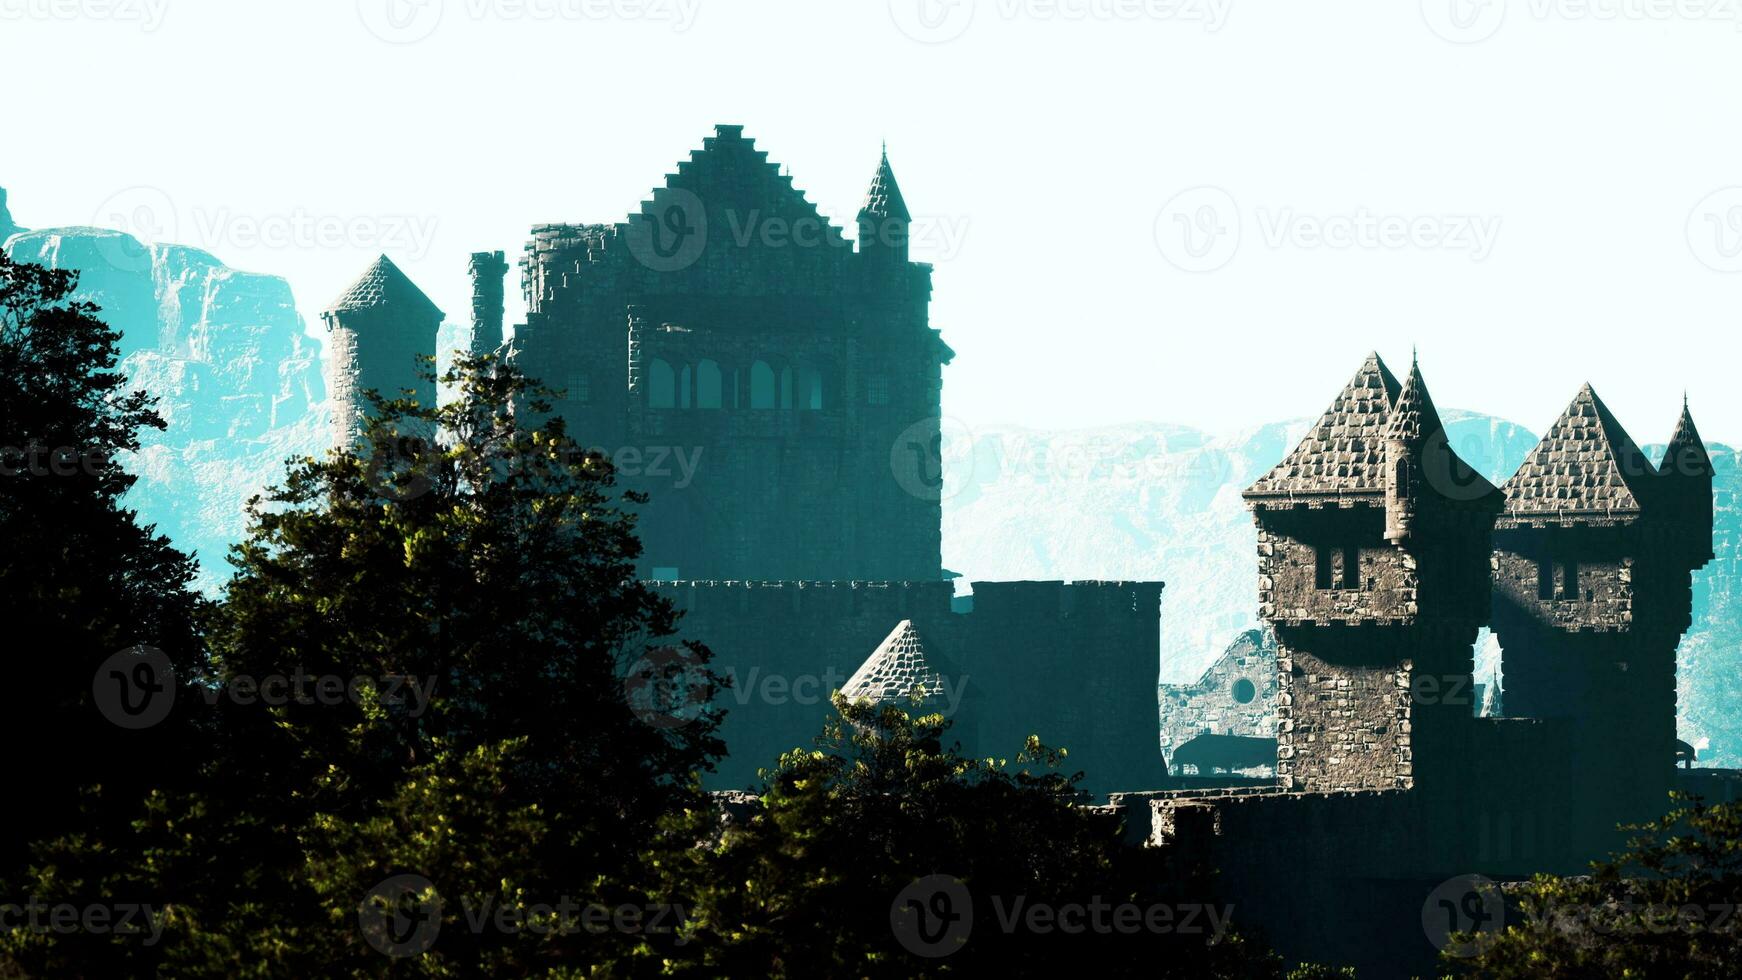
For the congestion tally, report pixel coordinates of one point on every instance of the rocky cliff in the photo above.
(224, 351)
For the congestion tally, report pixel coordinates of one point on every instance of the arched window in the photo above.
(786, 387)
(761, 385)
(810, 389)
(661, 385)
(708, 384)
(1401, 483)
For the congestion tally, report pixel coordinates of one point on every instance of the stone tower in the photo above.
(1373, 542)
(1593, 562)
(487, 270)
(774, 390)
(377, 329)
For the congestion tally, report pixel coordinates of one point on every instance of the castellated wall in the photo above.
(1075, 663)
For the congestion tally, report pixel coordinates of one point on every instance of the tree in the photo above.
(468, 604)
(80, 579)
(884, 853)
(1666, 906)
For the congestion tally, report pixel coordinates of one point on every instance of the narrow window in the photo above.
(1569, 580)
(661, 385)
(810, 389)
(1351, 568)
(761, 385)
(708, 384)
(1322, 568)
(1401, 483)
(1544, 579)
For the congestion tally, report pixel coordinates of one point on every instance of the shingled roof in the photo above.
(382, 285)
(1686, 453)
(1344, 452)
(1586, 468)
(894, 669)
(883, 198)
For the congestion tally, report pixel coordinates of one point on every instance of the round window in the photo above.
(1245, 691)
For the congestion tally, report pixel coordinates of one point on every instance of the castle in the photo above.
(774, 387)
(727, 319)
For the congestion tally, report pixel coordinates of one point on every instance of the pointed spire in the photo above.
(883, 198)
(1414, 418)
(1686, 453)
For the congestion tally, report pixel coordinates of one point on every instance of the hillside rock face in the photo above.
(8, 227)
(224, 351)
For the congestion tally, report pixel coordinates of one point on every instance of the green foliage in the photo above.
(1664, 907)
(805, 886)
(493, 568)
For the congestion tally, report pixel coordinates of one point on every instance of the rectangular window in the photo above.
(1544, 579)
(1322, 568)
(1569, 580)
(1351, 568)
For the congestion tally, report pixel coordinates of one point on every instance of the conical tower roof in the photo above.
(1686, 454)
(1586, 469)
(1344, 452)
(894, 669)
(1414, 418)
(383, 286)
(883, 198)
(1415, 422)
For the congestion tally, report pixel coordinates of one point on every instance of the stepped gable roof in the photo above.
(1587, 468)
(894, 669)
(735, 184)
(883, 198)
(1344, 452)
(383, 286)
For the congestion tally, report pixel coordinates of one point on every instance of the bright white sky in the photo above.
(1531, 202)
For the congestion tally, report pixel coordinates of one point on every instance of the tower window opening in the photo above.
(1322, 577)
(761, 385)
(661, 385)
(1544, 579)
(1351, 578)
(708, 384)
(1569, 584)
